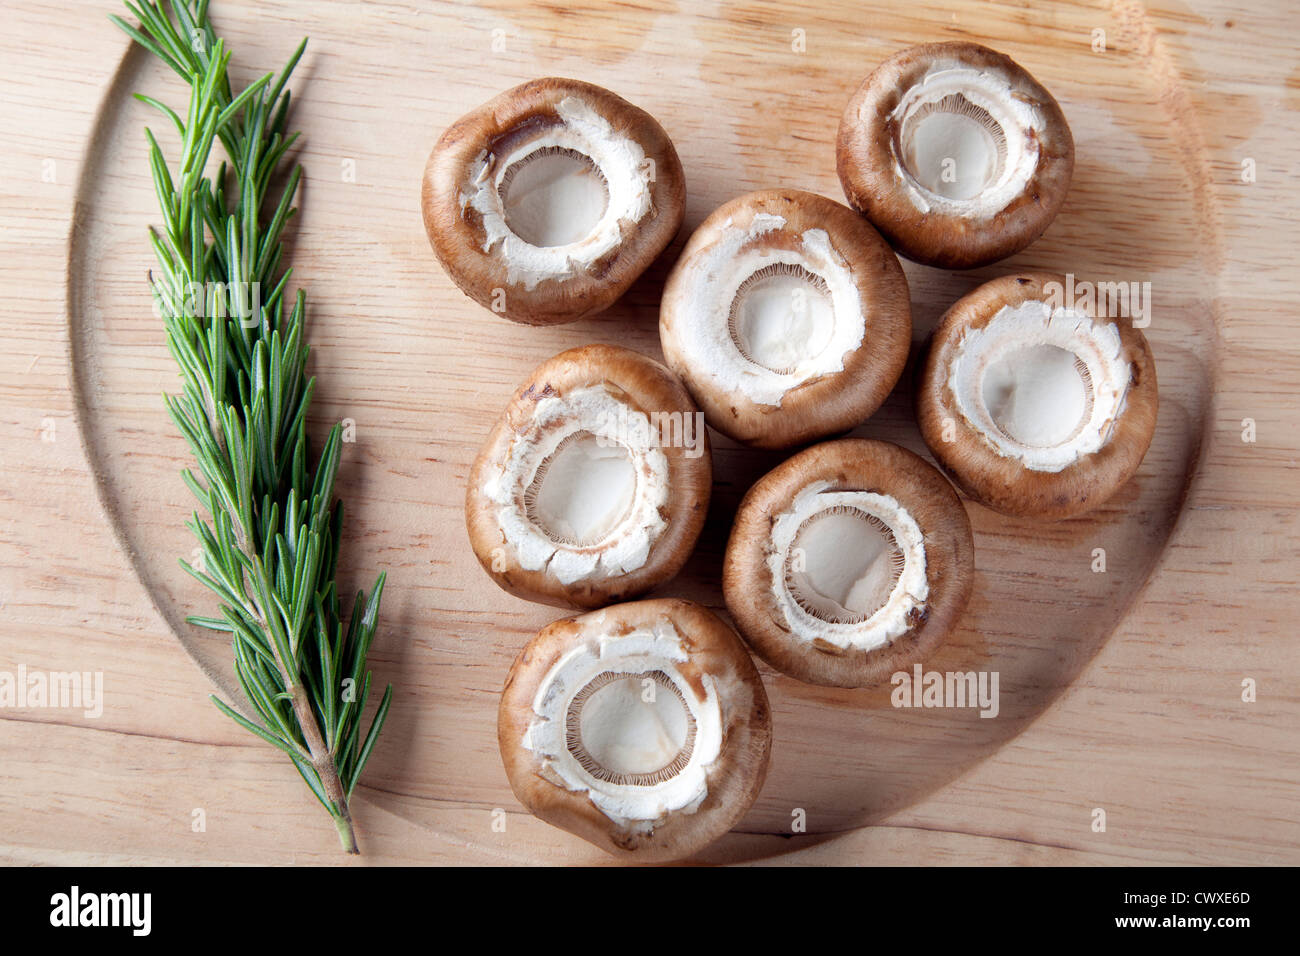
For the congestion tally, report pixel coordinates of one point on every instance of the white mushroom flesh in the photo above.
(553, 197)
(1042, 385)
(582, 492)
(781, 316)
(632, 725)
(579, 493)
(615, 718)
(758, 320)
(848, 567)
(966, 144)
(559, 201)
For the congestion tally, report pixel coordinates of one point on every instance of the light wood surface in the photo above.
(1120, 691)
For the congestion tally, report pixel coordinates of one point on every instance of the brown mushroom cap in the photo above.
(1004, 483)
(501, 128)
(640, 385)
(829, 403)
(715, 660)
(877, 182)
(859, 465)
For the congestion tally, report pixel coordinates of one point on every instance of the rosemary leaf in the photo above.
(269, 542)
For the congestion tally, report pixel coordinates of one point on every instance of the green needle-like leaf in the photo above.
(269, 531)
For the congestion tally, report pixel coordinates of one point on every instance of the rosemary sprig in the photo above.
(270, 544)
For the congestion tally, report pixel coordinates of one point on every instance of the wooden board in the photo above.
(1131, 679)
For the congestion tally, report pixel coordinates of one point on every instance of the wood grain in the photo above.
(1120, 691)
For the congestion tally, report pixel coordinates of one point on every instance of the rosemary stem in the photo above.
(347, 835)
(323, 760)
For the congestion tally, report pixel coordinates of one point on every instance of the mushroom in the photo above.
(788, 318)
(643, 728)
(547, 202)
(1035, 405)
(847, 562)
(594, 483)
(956, 154)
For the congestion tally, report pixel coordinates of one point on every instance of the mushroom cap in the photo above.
(833, 402)
(505, 124)
(877, 184)
(851, 464)
(641, 385)
(1005, 484)
(713, 651)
